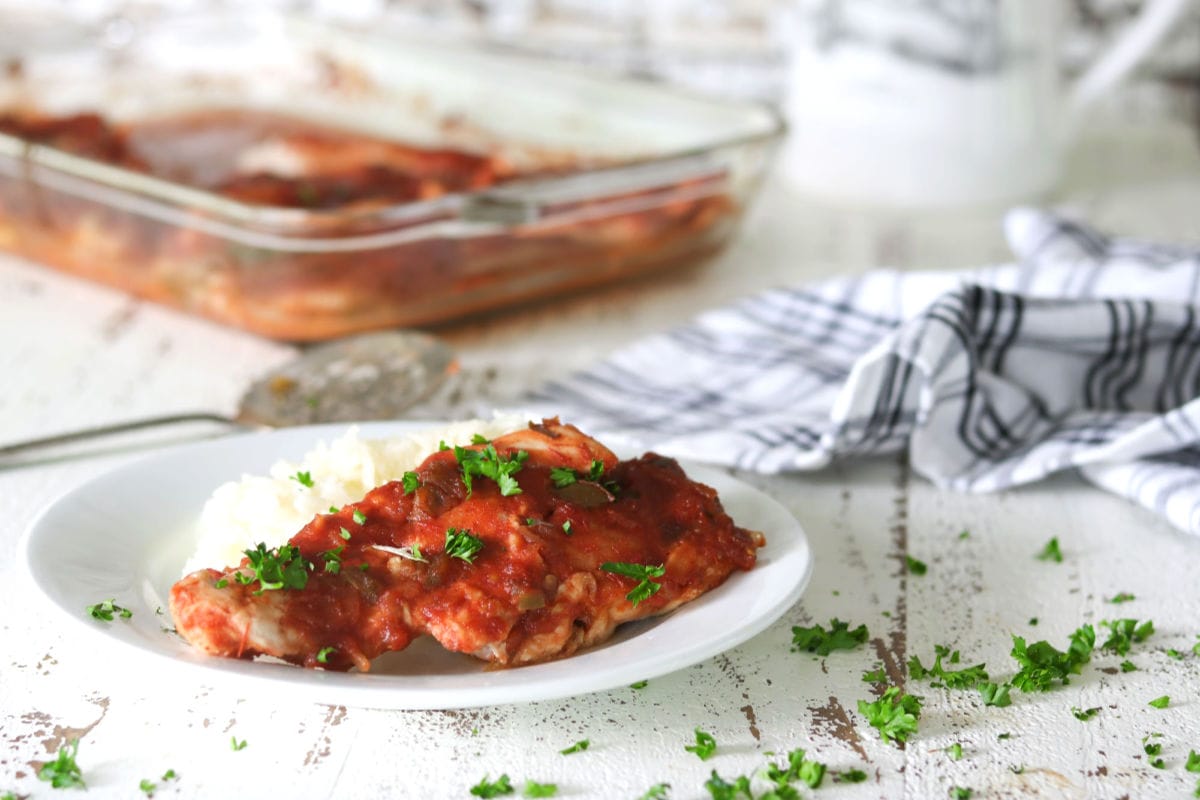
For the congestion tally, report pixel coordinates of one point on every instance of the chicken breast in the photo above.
(516, 551)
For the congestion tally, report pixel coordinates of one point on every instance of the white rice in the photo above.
(271, 509)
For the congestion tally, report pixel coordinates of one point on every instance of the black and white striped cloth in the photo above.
(1083, 354)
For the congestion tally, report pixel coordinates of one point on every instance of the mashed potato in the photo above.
(270, 509)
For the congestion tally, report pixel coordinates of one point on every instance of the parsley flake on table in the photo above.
(1153, 749)
(1193, 761)
(1084, 714)
(955, 751)
(894, 714)
(578, 747)
(496, 788)
(1160, 702)
(323, 654)
(235, 745)
(966, 678)
(169, 775)
(63, 772)
(148, 786)
(817, 640)
(704, 747)
(359, 517)
(799, 768)
(303, 478)
(281, 568)
(1120, 597)
(851, 776)
(104, 611)
(721, 789)
(1128, 666)
(642, 573)
(410, 481)
(995, 694)
(961, 793)
(1124, 633)
(656, 792)
(487, 463)
(1051, 552)
(876, 675)
(964, 535)
(535, 789)
(639, 684)
(915, 566)
(1042, 664)
(461, 543)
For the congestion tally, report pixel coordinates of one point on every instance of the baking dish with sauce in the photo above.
(305, 181)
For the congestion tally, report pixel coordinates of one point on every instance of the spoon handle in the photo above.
(105, 430)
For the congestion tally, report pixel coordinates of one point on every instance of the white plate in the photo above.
(127, 533)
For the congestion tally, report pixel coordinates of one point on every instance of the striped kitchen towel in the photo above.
(1083, 354)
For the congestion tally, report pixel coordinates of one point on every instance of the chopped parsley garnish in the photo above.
(487, 463)
(303, 478)
(1003, 736)
(345, 534)
(442, 445)
(1175, 654)
(1153, 749)
(995, 694)
(221, 583)
(281, 568)
(1160, 702)
(1128, 666)
(1121, 597)
(148, 786)
(63, 772)
(656, 792)
(486, 788)
(876, 675)
(642, 573)
(169, 775)
(235, 744)
(323, 654)
(535, 789)
(461, 543)
(563, 476)
(334, 509)
(799, 768)
(359, 517)
(578, 747)
(854, 775)
(1124, 633)
(333, 560)
(1051, 552)
(1084, 714)
(964, 535)
(823, 642)
(955, 751)
(721, 789)
(704, 747)
(1042, 664)
(894, 715)
(1033, 621)
(960, 793)
(479, 438)
(105, 610)
(411, 482)
(1193, 761)
(639, 685)
(965, 678)
(596, 470)
(915, 566)
(566, 526)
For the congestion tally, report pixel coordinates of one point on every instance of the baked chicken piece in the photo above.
(516, 551)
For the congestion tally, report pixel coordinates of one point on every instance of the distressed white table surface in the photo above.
(72, 354)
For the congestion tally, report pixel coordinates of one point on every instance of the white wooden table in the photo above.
(72, 354)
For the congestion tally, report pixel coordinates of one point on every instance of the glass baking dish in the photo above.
(607, 177)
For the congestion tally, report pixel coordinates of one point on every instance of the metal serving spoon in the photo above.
(366, 377)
